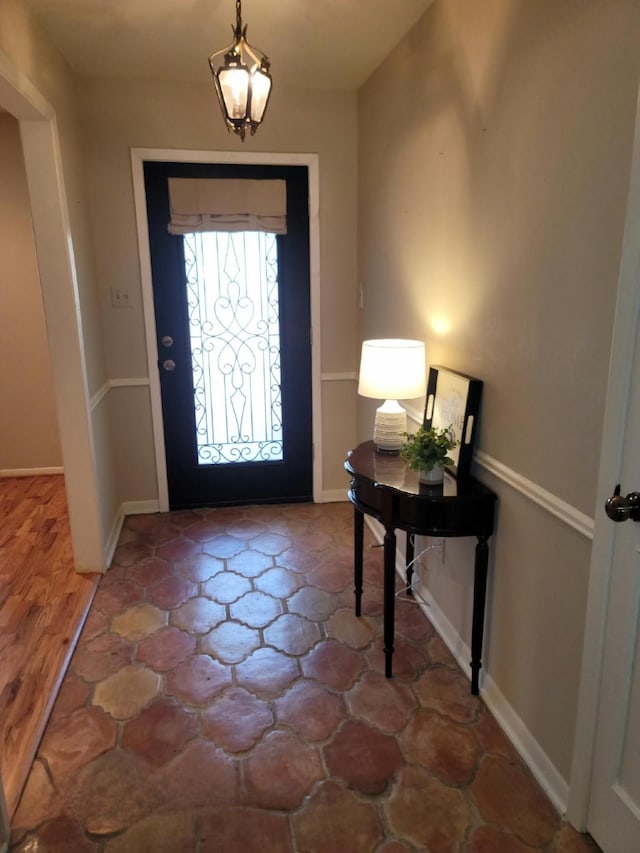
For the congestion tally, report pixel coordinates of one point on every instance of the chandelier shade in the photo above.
(242, 80)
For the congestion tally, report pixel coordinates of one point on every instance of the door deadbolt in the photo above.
(620, 508)
(167, 341)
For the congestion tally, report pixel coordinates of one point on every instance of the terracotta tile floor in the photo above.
(223, 697)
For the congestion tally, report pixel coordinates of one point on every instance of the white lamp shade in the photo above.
(392, 369)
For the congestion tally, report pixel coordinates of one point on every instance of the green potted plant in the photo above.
(427, 451)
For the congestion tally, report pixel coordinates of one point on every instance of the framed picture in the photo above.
(453, 402)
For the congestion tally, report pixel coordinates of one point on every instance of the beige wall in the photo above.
(494, 156)
(160, 115)
(34, 57)
(116, 117)
(28, 422)
(491, 157)
(37, 85)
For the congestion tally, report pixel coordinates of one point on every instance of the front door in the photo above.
(232, 313)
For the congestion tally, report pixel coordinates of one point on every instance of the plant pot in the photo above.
(435, 475)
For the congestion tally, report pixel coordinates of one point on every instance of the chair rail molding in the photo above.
(548, 501)
(347, 376)
(127, 382)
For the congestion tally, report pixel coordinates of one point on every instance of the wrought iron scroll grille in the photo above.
(234, 327)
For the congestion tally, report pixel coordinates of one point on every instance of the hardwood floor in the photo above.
(43, 605)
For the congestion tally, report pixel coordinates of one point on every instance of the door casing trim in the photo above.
(312, 162)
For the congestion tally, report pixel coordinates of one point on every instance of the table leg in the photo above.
(389, 597)
(410, 553)
(479, 598)
(358, 546)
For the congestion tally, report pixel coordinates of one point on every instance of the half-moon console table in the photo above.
(382, 486)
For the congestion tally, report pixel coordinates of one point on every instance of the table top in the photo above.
(390, 471)
(383, 486)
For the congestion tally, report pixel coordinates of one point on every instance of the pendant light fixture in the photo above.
(243, 82)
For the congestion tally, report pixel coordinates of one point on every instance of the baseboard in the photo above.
(536, 759)
(5, 824)
(526, 745)
(30, 472)
(126, 508)
(334, 496)
(140, 507)
(112, 540)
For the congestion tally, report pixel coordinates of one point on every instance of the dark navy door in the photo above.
(232, 314)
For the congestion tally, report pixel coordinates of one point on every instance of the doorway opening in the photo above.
(301, 322)
(40, 584)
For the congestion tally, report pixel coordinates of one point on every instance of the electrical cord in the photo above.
(416, 577)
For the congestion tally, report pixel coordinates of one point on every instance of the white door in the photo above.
(614, 810)
(609, 711)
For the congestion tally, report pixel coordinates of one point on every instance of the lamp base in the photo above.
(389, 427)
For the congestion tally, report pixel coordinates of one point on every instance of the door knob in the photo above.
(169, 364)
(620, 508)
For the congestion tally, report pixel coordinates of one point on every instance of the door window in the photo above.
(234, 329)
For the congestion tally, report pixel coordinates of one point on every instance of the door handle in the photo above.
(620, 508)
(168, 364)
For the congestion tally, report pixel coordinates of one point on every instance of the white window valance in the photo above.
(227, 204)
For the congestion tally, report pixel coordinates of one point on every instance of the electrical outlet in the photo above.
(120, 297)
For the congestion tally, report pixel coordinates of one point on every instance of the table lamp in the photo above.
(391, 369)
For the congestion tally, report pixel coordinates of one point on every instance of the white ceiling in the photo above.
(311, 43)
